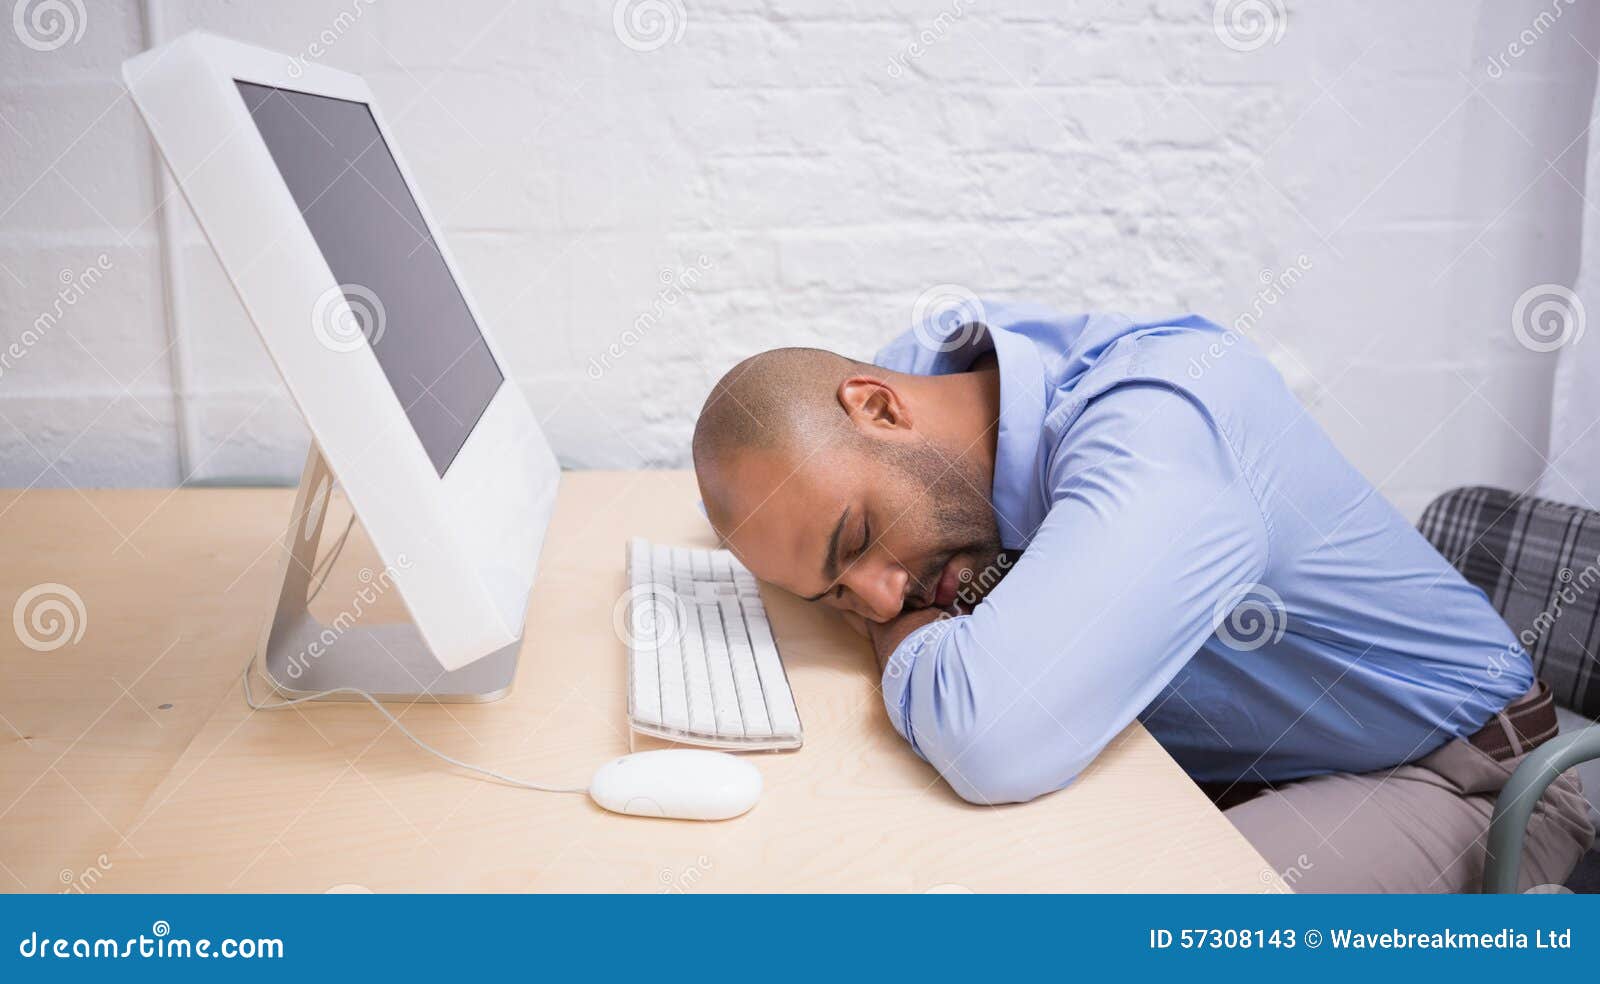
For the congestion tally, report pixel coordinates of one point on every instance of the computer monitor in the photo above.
(316, 220)
(401, 291)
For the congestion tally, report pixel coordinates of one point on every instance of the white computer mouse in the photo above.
(681, 783)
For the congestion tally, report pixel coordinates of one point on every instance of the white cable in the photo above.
(502, 777)
(325, 568)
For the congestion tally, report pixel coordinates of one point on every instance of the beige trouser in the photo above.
(1420, 827)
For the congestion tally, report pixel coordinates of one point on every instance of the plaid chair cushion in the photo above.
(1539, 563)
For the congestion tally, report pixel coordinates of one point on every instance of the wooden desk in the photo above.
(100, 775)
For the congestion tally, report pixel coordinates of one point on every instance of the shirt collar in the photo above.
(1023, 402)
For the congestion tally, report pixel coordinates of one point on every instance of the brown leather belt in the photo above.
(1525, 724)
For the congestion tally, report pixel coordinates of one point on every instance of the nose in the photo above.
(879, 589)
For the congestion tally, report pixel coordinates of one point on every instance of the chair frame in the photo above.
(1521, 795)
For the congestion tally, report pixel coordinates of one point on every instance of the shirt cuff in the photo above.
(897, 677)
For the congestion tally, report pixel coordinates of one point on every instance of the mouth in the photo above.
(949, 585)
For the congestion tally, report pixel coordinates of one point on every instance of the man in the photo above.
(1049, 526)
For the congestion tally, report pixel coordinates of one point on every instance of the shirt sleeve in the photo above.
(1152, 523)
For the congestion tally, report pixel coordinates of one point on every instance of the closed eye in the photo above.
(866, 541)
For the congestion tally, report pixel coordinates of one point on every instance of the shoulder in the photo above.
(1141, 431)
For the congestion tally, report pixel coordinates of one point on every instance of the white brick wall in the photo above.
(1093, 154)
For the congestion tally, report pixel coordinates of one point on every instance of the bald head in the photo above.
(781, 401)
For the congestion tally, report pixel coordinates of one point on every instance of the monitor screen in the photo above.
(366, 222)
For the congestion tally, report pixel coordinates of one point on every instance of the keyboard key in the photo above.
(774, 684)
(646, 683)
(724, 692)
(696, 677)
(752, 703)
(668, 629)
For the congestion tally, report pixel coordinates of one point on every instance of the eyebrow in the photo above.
(830, 564)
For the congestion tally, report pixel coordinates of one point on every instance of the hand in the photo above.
(887, 636)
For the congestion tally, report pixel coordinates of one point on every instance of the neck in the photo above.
(962, 410)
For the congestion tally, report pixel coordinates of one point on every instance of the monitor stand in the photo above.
(301, 656)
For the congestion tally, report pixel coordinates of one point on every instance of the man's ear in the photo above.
(873, 404)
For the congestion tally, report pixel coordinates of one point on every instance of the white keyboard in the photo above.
(703, 667)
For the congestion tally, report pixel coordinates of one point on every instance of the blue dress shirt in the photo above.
(1197, 555)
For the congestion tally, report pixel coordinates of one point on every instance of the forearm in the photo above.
(887, 636)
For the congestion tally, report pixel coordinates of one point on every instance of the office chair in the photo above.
(1521, 794)
(1539, 563)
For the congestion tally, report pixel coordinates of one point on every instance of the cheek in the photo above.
(913, 532)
